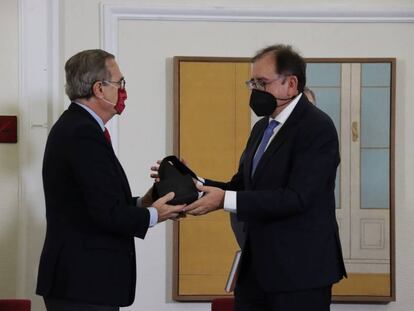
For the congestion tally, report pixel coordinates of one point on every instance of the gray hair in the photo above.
(83, 70)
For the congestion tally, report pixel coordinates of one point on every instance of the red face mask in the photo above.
(120, 104)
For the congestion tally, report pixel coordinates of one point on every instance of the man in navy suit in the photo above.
(283, 191)
(88, 259)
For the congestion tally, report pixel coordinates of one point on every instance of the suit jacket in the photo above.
(288, 206)
(92, 218)
(238, 228)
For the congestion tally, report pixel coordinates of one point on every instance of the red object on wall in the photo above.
(15, 305)
(222, 304)
(8, 129)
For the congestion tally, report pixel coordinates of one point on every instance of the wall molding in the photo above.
(39, 106)
(294, 14)
(111, 14)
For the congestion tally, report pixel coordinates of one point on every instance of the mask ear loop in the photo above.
(103, 97)
(101, 89)
(91, 92)
(289, 98)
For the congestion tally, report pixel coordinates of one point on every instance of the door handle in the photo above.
(355, 131)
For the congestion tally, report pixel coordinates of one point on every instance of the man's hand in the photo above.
(154, 168)
(166, 211)
(212, 200)
(147, 199)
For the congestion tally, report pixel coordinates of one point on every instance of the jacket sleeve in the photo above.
(314, 162)
(95, 170)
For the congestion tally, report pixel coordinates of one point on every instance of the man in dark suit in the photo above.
(284, 193)
(88, 258)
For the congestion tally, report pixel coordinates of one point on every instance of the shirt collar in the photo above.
(96, 117)
(285, 113)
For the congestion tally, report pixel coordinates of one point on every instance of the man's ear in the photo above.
(293, 82)
(97, 89)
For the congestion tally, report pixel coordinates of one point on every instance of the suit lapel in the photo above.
(125, 183)
(279, 139)
(123, 178)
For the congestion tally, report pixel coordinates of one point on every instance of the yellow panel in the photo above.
(364, 284)
(200, 285)
(207, 121)
(243, 118)
(203, 285)
(356, 285)
(214, 127)
(210, 246)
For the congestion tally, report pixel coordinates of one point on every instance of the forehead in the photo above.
(264, 67)
(113, 68)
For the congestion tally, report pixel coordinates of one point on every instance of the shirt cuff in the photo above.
(153, 216)
(139, 202)
(200, 183)
(230, 201)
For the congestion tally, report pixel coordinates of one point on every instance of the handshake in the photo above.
(177, 191)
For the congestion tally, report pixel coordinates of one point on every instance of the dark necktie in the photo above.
(107, 136)
(265, 140)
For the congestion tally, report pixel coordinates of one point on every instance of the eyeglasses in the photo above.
(260, 84)
(121, 82)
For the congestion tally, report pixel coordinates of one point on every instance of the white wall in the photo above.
(144, 52)
(9, 165)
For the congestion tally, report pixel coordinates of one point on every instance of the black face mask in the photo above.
(263, 103)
